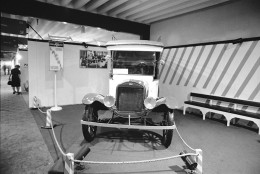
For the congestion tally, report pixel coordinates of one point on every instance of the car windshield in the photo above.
(134, 62)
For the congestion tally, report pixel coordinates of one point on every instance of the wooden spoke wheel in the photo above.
(167, 133)
(89, 132)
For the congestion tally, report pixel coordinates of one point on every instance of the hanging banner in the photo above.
(56, 55)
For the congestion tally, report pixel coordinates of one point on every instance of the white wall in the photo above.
(73, 82)
(241, 77)
(230, 70)
(237, 19)
(23, 62)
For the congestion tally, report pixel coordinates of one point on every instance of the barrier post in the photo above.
(69, 164)
(199, 161)
(35, 102)
(48, 120)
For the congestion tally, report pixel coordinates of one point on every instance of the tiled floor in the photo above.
(23, 149)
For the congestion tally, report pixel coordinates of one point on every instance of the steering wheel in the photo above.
(141, 67)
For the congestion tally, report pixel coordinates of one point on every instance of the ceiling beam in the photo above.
(109, 5)
(140, 8)
(125, 6)
(32, 8)
(177, 7)
(80, 3)
(94, 4)
(64, 3)
(184, 10)
(157, 9)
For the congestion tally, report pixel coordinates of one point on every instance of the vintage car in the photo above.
(133, 99)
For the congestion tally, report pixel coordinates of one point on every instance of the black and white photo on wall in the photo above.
(92, 59)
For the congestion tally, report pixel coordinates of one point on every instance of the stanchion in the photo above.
(35, 103)
(189, 161)
(199, 161)
(82, 153)
(55, 107)
(69, 163)
(48, 124)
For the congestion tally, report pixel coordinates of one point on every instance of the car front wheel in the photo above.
(167, 133)
(89, 132)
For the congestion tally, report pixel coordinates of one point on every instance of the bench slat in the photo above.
(224, 109)
(225, 99)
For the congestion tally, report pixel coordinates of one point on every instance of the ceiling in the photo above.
(144, 12)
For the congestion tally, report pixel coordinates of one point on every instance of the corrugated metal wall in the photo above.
(230, 70)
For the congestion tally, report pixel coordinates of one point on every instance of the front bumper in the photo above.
(127, 126)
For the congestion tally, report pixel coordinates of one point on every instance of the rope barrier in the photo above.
(183, 139)
(134, 162)
(41, 111)
(69, 157)
(127, 162)
(37, 105)
(64, 154)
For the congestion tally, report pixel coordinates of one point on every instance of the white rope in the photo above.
(126, 162)
(64, 154)
(41, 111)
(134, 162)
(35, 100)
(183, 139)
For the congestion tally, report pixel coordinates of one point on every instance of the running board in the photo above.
(124, 126)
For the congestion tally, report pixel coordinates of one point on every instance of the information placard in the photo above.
(56, 55)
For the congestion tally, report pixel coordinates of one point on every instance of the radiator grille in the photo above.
(130, 97)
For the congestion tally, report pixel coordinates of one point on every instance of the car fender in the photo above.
(170, 102)
(92, 97)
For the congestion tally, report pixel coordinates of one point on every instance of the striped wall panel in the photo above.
(231, 70)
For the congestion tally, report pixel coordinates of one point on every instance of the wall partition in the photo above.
(73, 81)
(224, 69)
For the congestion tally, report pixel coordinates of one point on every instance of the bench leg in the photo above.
(204, 112)
(184, 110)
(258, 124)
(228, 118)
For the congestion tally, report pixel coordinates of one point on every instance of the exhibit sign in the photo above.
(56, 55)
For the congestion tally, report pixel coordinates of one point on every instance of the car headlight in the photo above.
(109, 101)
(149, 102)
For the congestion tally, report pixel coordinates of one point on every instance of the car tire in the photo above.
(89, 132)
(168, 133)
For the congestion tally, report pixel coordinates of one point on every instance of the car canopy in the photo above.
(134, 45)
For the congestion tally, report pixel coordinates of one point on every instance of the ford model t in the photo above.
(133, 100)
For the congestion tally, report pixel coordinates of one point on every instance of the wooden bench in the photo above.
(228, 107)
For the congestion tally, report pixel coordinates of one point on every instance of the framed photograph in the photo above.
(92, 59)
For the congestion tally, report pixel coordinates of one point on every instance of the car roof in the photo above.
(135, 45)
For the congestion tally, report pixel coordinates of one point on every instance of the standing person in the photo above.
(4, 69)
(16, 80)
